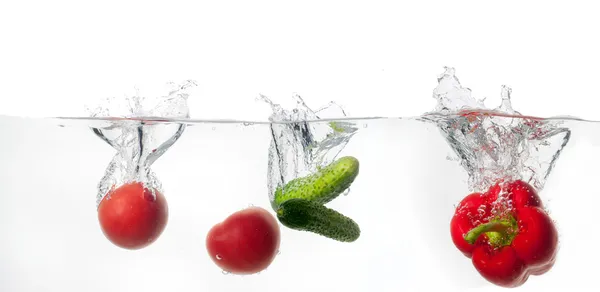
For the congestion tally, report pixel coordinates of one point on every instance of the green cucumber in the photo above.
(323, 186)
(304, 215)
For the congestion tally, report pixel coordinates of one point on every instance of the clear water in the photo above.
(413, 172)
(403, 201)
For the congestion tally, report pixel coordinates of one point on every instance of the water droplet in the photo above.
(365, 125)
(250, 205)
(213, 128)
(248, 124)
(346, 192)
(278, 252)
(225, 272)
(219, 257)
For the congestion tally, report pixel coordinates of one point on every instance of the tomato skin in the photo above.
(131, 217)
(246, 242)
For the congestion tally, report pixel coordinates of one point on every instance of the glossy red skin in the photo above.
(533, 249)
(131, 217)
(245, 243)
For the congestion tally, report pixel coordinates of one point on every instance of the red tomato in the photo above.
(246, 242)
(132, 217)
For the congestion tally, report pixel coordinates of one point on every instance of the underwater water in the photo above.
(362, 204)
(409, 184)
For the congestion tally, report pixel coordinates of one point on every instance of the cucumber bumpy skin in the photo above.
(304, 215)
(323, 186)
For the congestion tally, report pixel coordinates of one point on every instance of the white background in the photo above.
(377, 58)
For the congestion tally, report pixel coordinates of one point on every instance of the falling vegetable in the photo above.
(506, 232)
(300, 203)
(304, 215)
(324, 185)
(133, 216)
(244, 243)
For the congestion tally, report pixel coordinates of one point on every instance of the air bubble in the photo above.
(481, 210)
(219, 257)
(225, 272)
(278, 252)
(451, 158)
(346, 192)
(137, 141)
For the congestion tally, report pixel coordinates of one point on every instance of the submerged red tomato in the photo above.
(132, 217)
(246, 242)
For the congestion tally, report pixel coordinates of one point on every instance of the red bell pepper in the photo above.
(506, 232)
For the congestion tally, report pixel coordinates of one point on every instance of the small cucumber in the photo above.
(323, 186)
(304, 215)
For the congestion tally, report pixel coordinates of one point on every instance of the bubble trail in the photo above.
(299, 147)
(495, 144)
(137, 130)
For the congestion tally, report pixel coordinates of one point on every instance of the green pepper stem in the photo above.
(502, 229)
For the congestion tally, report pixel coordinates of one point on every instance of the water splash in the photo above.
(139, 142)
(451, 96)
(495, 144)
(299, 147)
